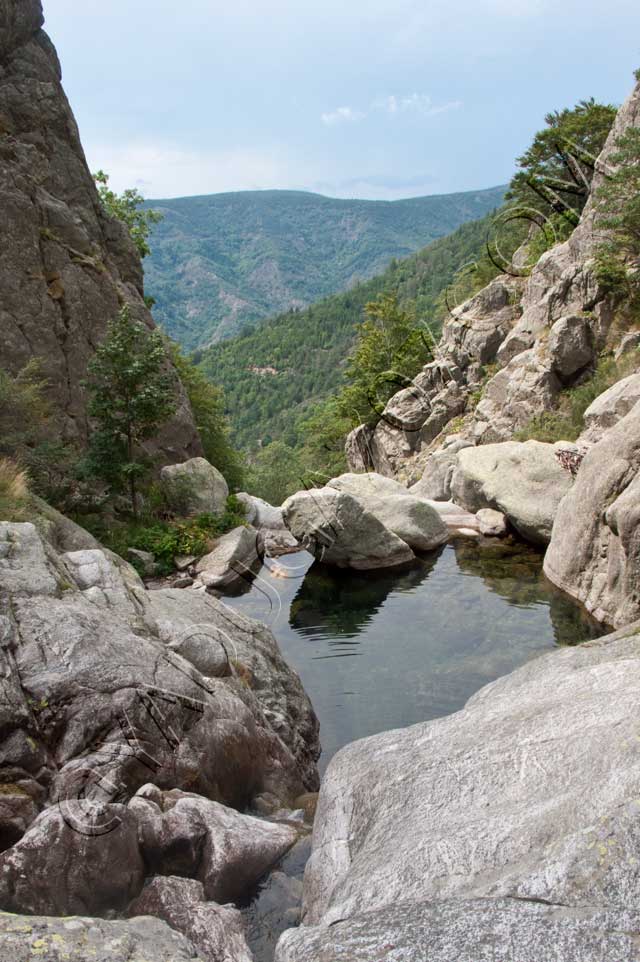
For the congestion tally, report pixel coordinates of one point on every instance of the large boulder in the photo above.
(525, 481)
(357, 449)
(571, 346)
(194, 487)
(408, 517)
(338, 530)
(74, 860)
(594, 553)
(235, 558)
(525, 387)
(610, 407)
(522, 796)
(217, 931)
(185, 834)
(24, 938)
(267, 519)
(469, 930)
(439, 468)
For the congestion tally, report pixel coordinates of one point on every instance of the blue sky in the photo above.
(352, 98)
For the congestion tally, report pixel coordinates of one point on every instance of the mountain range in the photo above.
(221, 263)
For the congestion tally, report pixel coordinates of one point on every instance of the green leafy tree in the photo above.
(557, 169)
(128, 208)
(208, 406)
(618, 206)
(277, 471)
(132, 393)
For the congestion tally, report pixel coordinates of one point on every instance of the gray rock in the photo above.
(276, 537)
(526, 482)
(25, 938)
(628, 345)
(435, 484)
(571, 345)
(594, 553)
(493, 524)
(235, 558)
(17, 811)
(216, 931)
(368, 485)
(609, 408)
(191, 836)
(522, 795)
(78, 265)
(525, 387)
(475, 330)
(338, 530)
(468, 930)
(146, 561)
(194, 487)
(358, 449)
(74, 859)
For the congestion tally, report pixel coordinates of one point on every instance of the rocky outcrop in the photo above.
(217, 931)
(338, 530)
(66, 268)
(268, 520)
(594, 553)
(542, 333)
(609, 408)
(24, 938)
(522, 800)
(99, 694)
(526, 482)
(194, 487)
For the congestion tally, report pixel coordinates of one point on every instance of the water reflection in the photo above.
(381, 650)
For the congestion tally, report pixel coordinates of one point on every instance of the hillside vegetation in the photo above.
(274, 377)
(221, 263)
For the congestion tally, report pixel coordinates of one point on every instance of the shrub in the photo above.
(14, 491)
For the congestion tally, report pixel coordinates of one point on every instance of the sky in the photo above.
(378, 99)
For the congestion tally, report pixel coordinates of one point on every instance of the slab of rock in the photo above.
(74, 859)
(454, 517)
(357, 449)
(435, 484)
(492, 524)
(408, 517)
(234, 560)
(24, 938)
(522, 795)
(194, 487)
(525, 387)
(524, 481)
(594, 553)
(469, 930)
(571, 345)
(217, 931)
(189, 835)
(336, 528)
(609, 408)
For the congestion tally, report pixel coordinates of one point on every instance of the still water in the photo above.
(382, 650)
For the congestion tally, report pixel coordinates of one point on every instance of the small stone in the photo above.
(493, 524)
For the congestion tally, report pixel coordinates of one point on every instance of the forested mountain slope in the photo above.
(225, 261)
(275, 374)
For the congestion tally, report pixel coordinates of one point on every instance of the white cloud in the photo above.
(165, 170)
(342, 115)
(421, 104)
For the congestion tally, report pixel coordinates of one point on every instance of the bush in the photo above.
(14, 491)
(167, 538)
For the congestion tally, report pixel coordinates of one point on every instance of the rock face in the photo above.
(523, 796)
(68, 268)
(98, 695)
(469, 930)
(526, 482)
(504, 356)
(338, 530)
(217, 931)
(195, 487)
(24, 938)
(610, 407)
(594, 553)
